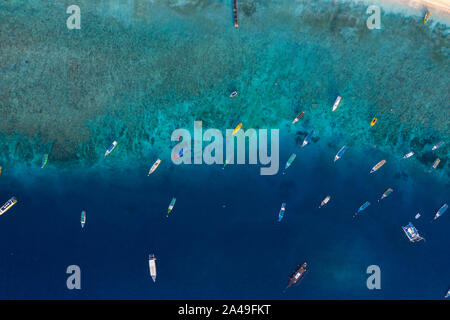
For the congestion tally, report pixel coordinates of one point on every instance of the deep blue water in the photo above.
(238, 252)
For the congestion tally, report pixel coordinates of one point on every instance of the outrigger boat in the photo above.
(290, 160)
(282, 210)
(408, 155)
(111, 148)
(412, 233)
(298, 117)
(152, 266)
(154, 167)
(340, 153)
(239, 126)
(308, 137)
(372, 123)
(427, 17)
(297, 275)
(177, 155)
(233, 94)
(336, 103)
(8, 205)
(44, 160)
(363, 207)
(386, 194)
(438, 145)
(378, 166)
(171, 205)
(435, 164)
(441, 211)
(83, 218)
(324, 201)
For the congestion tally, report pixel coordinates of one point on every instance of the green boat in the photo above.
(171, 205)
(44, 160)
(83, 218)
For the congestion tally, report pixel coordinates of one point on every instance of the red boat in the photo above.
(297, 275)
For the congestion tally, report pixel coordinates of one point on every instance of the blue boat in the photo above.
(412, 233)
(363, 207)
(441, 211)
(176, 156)
(438, 145)
(308, 138)
(340, 153)
(386, 193)
(282, 210)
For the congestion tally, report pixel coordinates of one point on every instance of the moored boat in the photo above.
(324, 201)
(362, 208)
(340, 153)
(152, 266)
(386, 194)
(282, 210)
(378, 166)
(44, 160)
(372, 123)
(437, 145)
(171, 205)
(336, 103)
(435, 164)
(297, 275)
(154, 167)
(307, 139)
(8, 205)
(412, 233)
(233, 94)
(83, 218)
(298, 117)
(426, 18)
(441, 211)
(290, 160)
(238, 127)
(408, 155)
(111, 148)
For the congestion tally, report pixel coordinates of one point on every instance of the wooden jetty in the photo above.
(235, 14)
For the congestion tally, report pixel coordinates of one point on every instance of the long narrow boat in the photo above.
(290, 160)
(301, 114)
(336, 103)
(438, 145)
(297, 275)
(426, 18)
(372, 123)
(324, 201)
(178, 154)
(362, 208)
(154, 167)
(307, 139)
(408, 155)
(340, 153)
(412, 233)
(171, 205)
(111, 148)
(435, 164)
(377, 166)
(152, 266)
(239, 126)
(83, 218)
(441, 211)
(282, 210)
(44, 160)
(235, 14)
(386, 194)
(8, 205)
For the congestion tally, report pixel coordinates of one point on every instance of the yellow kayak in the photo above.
(374, 120)
(237, 128)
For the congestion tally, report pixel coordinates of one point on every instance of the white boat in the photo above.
(417, 216)
(154, 167)
(152, 266)
(8, 205)
(111, 148)
(336, 103)
(340, 153)
(408, 155)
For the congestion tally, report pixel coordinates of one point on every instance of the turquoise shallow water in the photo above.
(137, 70)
